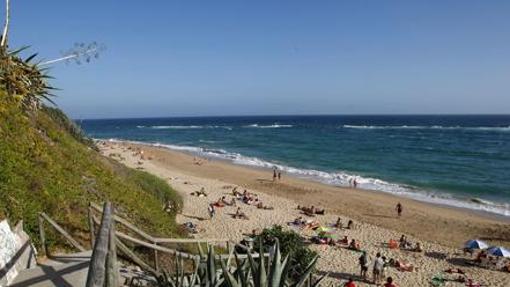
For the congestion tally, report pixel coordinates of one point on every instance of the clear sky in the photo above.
(192, 58)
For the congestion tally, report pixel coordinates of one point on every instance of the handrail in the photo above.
(152, 238)
(103, 262)
(42, 234)
(152, 243)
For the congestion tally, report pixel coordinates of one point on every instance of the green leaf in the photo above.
(31, 58)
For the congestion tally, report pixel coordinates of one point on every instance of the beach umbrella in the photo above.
(499, 251)
(475, 244)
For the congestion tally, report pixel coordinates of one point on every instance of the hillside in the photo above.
(47, 165)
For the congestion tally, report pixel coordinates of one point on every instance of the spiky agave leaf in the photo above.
(306, 274)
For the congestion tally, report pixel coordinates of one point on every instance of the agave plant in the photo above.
(23, 80)
(275, 275)
(245, 273)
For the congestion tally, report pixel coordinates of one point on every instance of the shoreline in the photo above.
(440, 230)
(429, 221)
(417, 197)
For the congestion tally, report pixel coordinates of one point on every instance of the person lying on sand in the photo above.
(417, 248)
(312, 224)
(228, 203)
(470, 283)
(403, 267)
(354, 245)
(200, 193)
(455, 270)
(191, 227)
(240, 215)
(219, 203)
(311, 211)
(298, 221)
(260, 205)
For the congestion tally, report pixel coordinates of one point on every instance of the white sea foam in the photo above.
(273, 126)
(176, 127)
(495, 129)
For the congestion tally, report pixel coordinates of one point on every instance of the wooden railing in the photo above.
(42, 233)
(103, 268)
(103, 263)
(155, 243)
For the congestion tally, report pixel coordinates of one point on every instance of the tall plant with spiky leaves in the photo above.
(24, 81)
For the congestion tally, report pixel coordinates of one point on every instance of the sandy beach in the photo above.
(440, 230)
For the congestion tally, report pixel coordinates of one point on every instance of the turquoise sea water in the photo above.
(456, 160)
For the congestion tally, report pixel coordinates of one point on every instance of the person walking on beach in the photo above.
(279, 175)
(274, 174)
(399, 209)
(378, 266)
(211, 210)
(363, 264)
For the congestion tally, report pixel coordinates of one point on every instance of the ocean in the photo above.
(462, 161)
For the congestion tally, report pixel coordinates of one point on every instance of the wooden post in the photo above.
(96, 275)
(42, 235)
(91, 227)
(156, 264)
(111, 259)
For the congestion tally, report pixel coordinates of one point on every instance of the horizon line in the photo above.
(279, 115)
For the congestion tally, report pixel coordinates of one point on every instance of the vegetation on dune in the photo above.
(45, 167)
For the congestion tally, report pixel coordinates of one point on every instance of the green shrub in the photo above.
(291, 243)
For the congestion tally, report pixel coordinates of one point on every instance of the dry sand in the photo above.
(441, 230)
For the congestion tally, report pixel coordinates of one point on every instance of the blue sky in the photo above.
(192, 58)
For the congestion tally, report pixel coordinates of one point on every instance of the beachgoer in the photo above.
(338, 223)
(418, 248)
(389, 282)
(350, 283)
(211, 211)
(385, 264)
(363, 264)
(355, 183)
(399, 209)
(378, 266)
(274, 174)
(354, 245)
(350, 224)
(279, 175)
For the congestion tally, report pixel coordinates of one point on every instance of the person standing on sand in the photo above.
(274, 174)
(363, 263)
(211, 210)
(378, 266)
(399, 209)
(279, 175)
